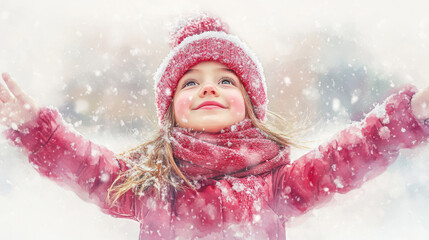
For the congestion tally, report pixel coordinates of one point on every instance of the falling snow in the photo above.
(110, 62)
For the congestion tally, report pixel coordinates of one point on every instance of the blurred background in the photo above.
(326, 62)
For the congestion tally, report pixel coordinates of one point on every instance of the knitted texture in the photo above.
(205, 38)
(239, 150)
(194, 26)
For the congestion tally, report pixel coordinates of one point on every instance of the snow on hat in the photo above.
(206, 38)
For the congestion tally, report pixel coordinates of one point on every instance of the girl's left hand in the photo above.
(16, 107)
(420, 104)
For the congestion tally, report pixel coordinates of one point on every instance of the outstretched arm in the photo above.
(59, 153)
(353, 156)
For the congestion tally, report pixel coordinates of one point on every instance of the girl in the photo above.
(215, 170)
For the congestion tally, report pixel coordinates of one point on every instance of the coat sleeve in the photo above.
(354, 155)
(56, 151)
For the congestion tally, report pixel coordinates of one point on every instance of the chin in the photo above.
(211, 126)
(212, 130)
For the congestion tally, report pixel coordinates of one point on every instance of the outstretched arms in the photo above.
(353, 156)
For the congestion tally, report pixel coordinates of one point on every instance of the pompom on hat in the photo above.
(206, 38)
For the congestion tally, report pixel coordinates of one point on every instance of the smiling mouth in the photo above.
(209, 105)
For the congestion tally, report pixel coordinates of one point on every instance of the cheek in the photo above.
(236, 102)
(182, 105)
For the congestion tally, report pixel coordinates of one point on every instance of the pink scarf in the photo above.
(237, 151)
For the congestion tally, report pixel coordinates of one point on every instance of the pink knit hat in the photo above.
(206, 38)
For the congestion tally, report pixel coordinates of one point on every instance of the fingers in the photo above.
(5, 95)
(5, 75)
(13, 87)
(17, 93)
(420, 104)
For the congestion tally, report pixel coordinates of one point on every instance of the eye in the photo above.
(226, 81)
(189, 84)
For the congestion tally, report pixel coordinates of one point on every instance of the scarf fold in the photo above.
(237, 151)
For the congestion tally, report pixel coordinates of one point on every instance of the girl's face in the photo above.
(208, 98)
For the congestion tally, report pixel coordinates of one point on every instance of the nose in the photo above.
(208, 90)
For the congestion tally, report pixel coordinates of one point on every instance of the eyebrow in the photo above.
(226, 69)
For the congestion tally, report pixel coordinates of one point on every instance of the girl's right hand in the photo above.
(16, 107)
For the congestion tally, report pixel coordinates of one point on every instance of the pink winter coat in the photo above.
(252, 207)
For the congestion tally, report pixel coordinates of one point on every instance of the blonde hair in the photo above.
(156, 167)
